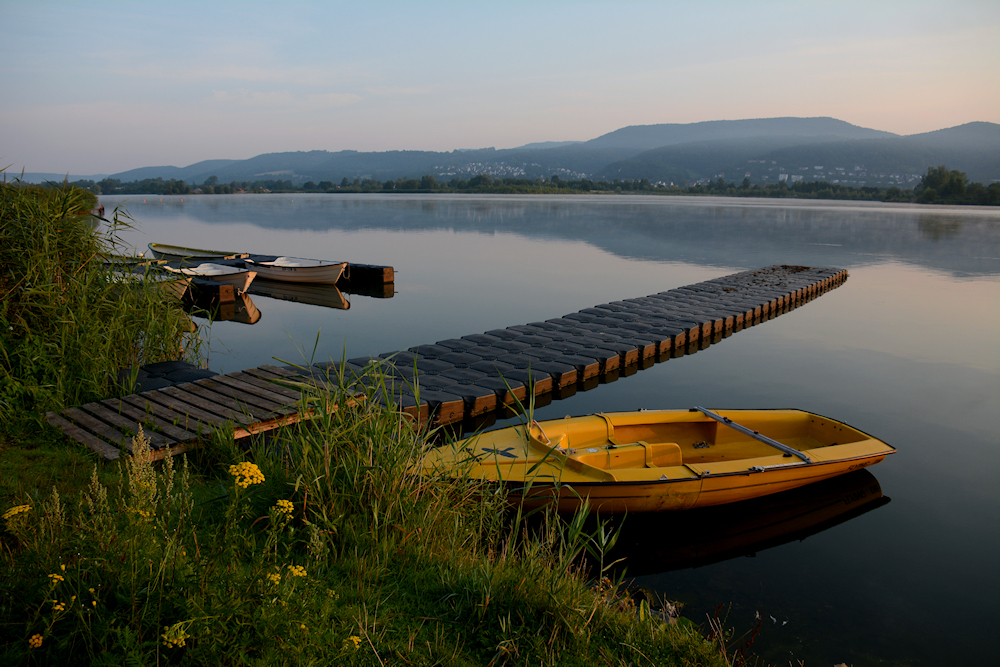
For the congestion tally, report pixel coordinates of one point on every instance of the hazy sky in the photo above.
(101, 87)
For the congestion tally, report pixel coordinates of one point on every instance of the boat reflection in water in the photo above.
(660, 542)
(133, 271)
(327, 296)
(242, 309)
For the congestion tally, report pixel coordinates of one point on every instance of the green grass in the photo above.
(315, 545)
(333, 553)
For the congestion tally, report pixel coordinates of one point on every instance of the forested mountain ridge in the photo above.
(646, 137)
(973, 148)
(768, 150)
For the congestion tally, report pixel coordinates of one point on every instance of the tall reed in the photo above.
(68, 321)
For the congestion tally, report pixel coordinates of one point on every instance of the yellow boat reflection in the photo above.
(652, 543)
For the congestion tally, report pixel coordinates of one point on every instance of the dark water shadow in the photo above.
(666, 541)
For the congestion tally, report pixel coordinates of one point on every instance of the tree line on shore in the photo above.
(938, 186)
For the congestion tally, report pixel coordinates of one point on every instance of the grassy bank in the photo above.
(315, 546)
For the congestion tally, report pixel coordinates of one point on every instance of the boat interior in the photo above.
(696, 439)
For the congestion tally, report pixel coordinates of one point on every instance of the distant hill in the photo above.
(176, 173)
(891, 160)
(547, 144)
(645, 137)
(799, 148)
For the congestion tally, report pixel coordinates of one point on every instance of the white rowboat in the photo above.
(299, 270)
(176, 252)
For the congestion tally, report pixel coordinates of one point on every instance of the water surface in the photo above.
(907, 349)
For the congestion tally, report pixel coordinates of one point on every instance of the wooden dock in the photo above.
(466, 380)
(177, 417)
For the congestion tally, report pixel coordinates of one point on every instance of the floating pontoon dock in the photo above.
(466, 379)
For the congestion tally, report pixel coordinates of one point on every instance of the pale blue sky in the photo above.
(100, 87)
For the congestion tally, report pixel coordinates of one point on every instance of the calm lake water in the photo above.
(894, 567)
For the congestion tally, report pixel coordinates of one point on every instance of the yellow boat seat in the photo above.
(662, 454)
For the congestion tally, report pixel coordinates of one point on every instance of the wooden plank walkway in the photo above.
(467, 380)
(178, 417)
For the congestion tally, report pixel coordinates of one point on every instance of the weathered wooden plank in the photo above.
(102, 412)
(184, 421)
(255, 427)
(266, 385)
(277, 370)
(316, 378)
(242, 398)
(74, 432)
(222, 404)
(241, 384)
(147, 418)
(199, 408)
(98, 428)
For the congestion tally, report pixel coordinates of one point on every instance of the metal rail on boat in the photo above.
(726, 421)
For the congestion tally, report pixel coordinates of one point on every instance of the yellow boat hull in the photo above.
(653, 461)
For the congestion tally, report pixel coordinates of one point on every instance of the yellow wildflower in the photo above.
(284, 507)
(246, 474)
(14, 511)
(58, 606)
(297, 570)
(56, 578)
(35, 641)
(355, 639)
(274, 578)
(174, 635)
(302, 626)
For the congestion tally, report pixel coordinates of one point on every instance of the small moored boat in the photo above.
(236, 276)
(659, 459)
(299, 270)
(175, 252)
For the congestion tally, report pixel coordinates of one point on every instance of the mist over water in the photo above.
(907, 350)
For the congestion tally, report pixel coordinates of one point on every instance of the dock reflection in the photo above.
(327, 296)
(665, 541)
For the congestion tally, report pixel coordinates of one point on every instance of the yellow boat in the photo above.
(656, 460)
